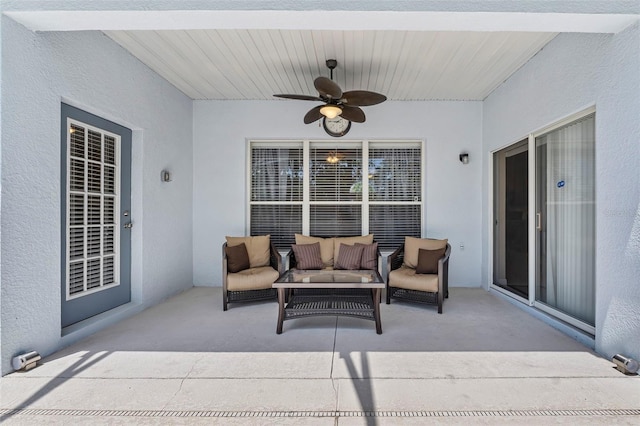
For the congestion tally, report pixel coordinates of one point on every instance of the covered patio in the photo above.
(185, 361)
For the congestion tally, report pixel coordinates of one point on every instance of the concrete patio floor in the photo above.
(185, 361)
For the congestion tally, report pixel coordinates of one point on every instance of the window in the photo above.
(276, 191)
(92, 233)
(322, 188)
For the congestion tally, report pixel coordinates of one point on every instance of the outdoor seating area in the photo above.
(333, 276)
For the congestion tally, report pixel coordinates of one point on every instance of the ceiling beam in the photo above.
(76, 20)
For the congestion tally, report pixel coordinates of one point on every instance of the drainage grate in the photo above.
(333, 414)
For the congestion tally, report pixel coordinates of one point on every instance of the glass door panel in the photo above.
(511, 242)
(565, 219)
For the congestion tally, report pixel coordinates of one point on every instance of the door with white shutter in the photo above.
(96, 215)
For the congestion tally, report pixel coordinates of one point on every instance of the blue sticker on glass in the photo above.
(560, 184)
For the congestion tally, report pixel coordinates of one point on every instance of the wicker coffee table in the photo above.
(329, 292)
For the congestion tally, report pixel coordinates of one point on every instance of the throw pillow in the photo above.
(326, 247)
(369, 256)
(412, 244)
(307, 256)
(258, 248)
(237, 258)
(349, 257)
(363, 239)
(428, 261)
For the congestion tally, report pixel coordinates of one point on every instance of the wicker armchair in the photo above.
(250, 284)
(404, 283)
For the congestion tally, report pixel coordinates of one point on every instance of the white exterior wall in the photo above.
(90, 71)
(452, 190)
(571, 72)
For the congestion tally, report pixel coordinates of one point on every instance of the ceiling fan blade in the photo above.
(299, 97)
(327, 88)
(362, 98)
(352, 113)
(313, 115)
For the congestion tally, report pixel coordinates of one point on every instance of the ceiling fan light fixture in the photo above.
(330, 111)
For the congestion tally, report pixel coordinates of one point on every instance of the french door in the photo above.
(96, 222)
(544, 220)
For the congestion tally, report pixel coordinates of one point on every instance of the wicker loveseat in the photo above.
(418, 271)
(253, 278)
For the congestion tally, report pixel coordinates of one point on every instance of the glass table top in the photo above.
(330, 276)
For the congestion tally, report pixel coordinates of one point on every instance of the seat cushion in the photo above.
(326, 247)
(252, 279)
(258, 248)
(428, 260)
(237, 258)
(412, 245)
(407, 278)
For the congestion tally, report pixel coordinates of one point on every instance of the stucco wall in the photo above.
(90, 71)
(570, 73)
(452, 190)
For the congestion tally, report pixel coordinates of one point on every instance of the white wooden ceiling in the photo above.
(253, 64)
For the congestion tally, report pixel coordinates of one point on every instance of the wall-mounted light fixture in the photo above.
(165, 176)
(464, 158)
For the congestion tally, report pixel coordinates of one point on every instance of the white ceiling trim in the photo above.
(322, 20)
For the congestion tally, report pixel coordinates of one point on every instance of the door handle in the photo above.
(539, 221)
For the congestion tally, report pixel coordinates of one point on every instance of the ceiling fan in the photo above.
(340, 108)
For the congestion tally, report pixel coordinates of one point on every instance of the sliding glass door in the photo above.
(565, 220)
(544, 220)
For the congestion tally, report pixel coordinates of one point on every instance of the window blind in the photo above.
(335, 174)
(391, 223)
(281, 221)
(276, 174)
(276, 192)
(335, 220)
(91, 209)
(395, 174)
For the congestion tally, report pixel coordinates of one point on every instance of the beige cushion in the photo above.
(412, 245)
(257, 248)
(252, 279)
(326, 247)
(364, 239)
(407, 278)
